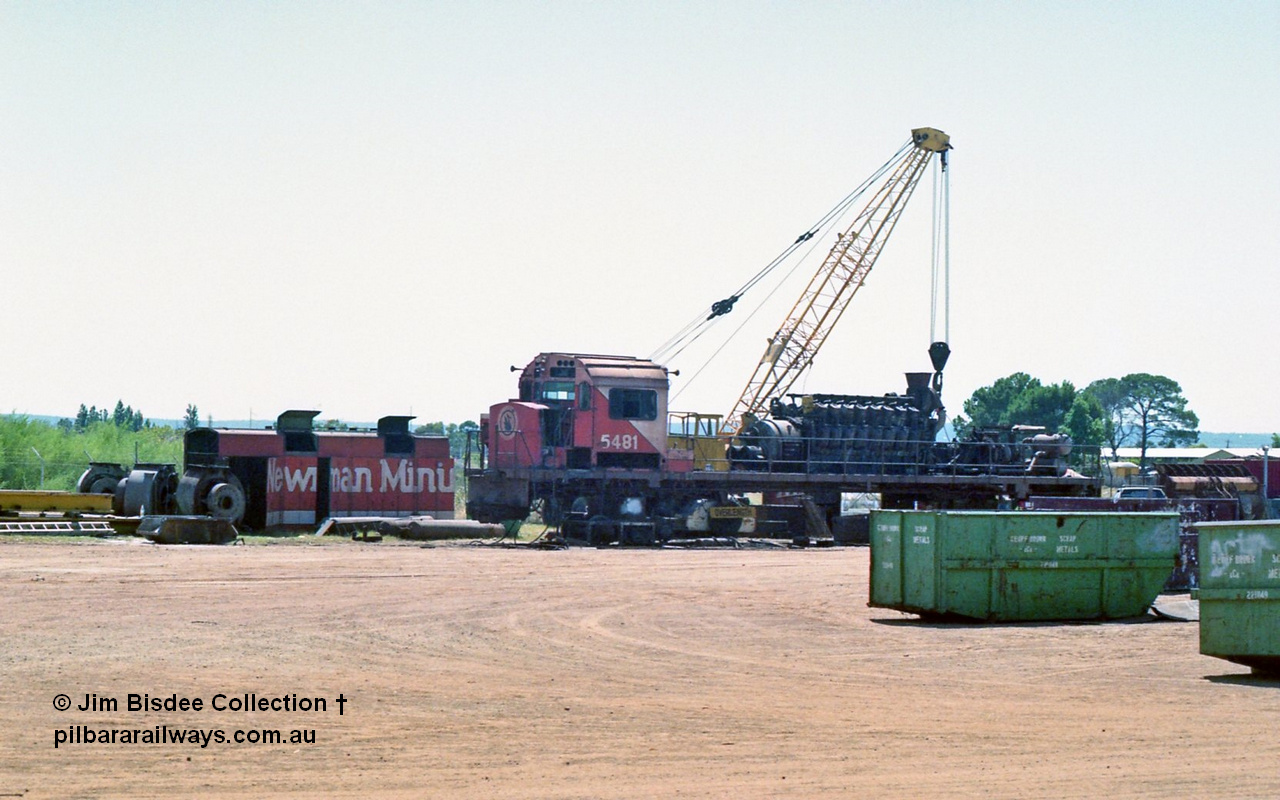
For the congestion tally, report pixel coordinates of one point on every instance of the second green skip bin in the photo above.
(1021, 566)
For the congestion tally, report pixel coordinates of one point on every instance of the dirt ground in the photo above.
(490, 673)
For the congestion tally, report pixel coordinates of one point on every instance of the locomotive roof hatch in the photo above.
(296, 428)
(295, 420)
(395, 434)
(393, 425)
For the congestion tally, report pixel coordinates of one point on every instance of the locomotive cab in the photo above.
(577, 411)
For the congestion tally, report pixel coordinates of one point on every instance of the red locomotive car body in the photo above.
(578, 411)
(294, 475)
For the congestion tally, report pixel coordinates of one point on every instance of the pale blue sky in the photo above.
(368, 208)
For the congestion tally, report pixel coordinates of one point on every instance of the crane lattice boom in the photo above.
(824, 300)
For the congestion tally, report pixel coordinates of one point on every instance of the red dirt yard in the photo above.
(490, 673)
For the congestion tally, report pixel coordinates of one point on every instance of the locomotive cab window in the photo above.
(556, 390)
(633, 404)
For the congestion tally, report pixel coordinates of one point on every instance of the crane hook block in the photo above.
(931, 139)
(939, 352)
(722, 307)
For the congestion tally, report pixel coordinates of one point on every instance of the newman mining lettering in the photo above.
(404, 477)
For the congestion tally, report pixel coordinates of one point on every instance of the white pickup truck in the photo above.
(1139, 493)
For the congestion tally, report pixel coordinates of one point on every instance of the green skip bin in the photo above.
(1240, 593)
(1021, 566)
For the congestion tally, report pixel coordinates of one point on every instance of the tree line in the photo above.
(457, 433)
(35, 454)
(122, 417)
(38, 455)
(1139, 410)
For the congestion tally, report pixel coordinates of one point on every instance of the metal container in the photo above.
(1192, 510)
(1240, 592)
(1020, 566)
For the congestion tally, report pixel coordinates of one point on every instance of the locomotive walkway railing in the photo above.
(817, 456)
(871, 457)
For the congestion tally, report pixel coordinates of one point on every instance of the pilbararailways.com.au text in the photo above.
(164, 734)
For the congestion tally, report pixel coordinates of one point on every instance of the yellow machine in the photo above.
(14, 502)
(698, 435)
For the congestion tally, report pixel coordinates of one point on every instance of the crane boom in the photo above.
(824, 300)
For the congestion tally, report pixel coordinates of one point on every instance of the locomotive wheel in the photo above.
(133, 496)
(226, 501)
(188, 494)
(601, 530)
(100, 479)
(102, 484)
(195, 494)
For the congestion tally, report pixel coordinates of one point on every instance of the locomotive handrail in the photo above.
(877, 456)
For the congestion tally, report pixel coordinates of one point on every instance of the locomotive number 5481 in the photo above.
(619, 442)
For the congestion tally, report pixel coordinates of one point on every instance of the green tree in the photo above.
(1156, 413)
(1145, 410)
(1019, 399)
(192, 418)
(989, 405)
(1045, 405)
(1113, 396)
(458, 438)
(1086, 421)
(457, 434)
(1275, 440)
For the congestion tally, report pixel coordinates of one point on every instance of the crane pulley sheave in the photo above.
(791, 350)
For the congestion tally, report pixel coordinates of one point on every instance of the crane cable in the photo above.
(736, 331)
(691, 332)
(940, 259)
(831, 217)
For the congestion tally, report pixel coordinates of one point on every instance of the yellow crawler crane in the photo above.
(792, 349)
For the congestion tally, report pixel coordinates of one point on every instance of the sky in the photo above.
(379, 208)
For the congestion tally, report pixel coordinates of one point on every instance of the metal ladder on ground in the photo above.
(60, 526)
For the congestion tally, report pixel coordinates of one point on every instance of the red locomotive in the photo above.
(582, 411)
(586, 435)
